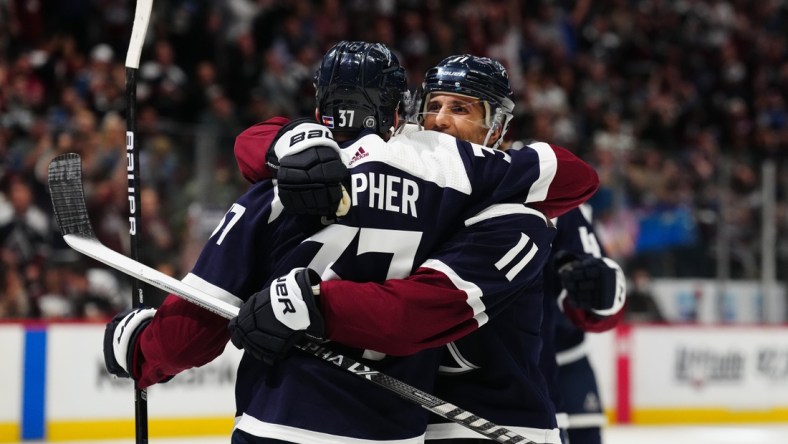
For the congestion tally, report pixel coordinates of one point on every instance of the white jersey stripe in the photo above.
(548, 165)
(499, 210)
(511, 254)
(256, 427)
(463, 364)
(571, 355)
(276, 206)
(472, 290)
(586, 420)
(520, 265)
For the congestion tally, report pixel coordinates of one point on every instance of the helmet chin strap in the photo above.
(496, 124)
(489, 135)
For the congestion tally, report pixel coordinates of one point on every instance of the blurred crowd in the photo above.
(678, 104)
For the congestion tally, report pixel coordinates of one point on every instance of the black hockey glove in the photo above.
(309, 169)
(274, 319)
(120, 339)
(591, 283)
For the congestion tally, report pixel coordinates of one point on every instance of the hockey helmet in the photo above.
(359, 85)
(473, 76)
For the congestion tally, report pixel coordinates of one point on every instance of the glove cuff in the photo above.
(620, 297)
(294, 301)
(126, 334)
(317, 326)
(299, 135)
(271, 159)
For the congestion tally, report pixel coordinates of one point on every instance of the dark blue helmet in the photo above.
(359, 85)
(479, 77)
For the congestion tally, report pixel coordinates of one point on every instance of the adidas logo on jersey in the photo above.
(360, 154)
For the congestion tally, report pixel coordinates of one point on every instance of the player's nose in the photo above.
(443, 118)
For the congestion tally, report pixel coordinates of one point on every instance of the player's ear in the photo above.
(497, 128)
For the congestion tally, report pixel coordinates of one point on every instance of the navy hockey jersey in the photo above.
(409, 196)
(565, 325)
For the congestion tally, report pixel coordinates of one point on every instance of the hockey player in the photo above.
(408, 197)
(590, 292)
(588, 288)
(469, 97)
(504, 383)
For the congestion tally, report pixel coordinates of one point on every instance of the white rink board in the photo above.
(684, 370)
(11, 352)
(79, 387)
(601, 347)
(731, 367)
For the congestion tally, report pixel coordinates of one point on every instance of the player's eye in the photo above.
(460, 109)
(454, 108)
(433, 107)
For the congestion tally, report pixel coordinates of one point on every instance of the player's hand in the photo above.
(591, 283)
(120, 339)
(309, 170)
(274, 319)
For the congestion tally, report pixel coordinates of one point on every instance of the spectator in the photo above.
(646, 88)
(14, 302)
(162, 81)
(25, 230)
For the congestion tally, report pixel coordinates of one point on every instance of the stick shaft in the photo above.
(138, 30)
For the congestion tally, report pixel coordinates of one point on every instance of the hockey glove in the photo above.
(274, 319)
(309, 169)
(591, 283)
(120, 339)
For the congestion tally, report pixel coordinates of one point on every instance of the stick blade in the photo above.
(68, 198)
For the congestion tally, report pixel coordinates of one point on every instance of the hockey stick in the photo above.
(138, 30)
(65, 185)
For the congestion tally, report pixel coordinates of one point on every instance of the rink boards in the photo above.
(652, 374)
(54, 385)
